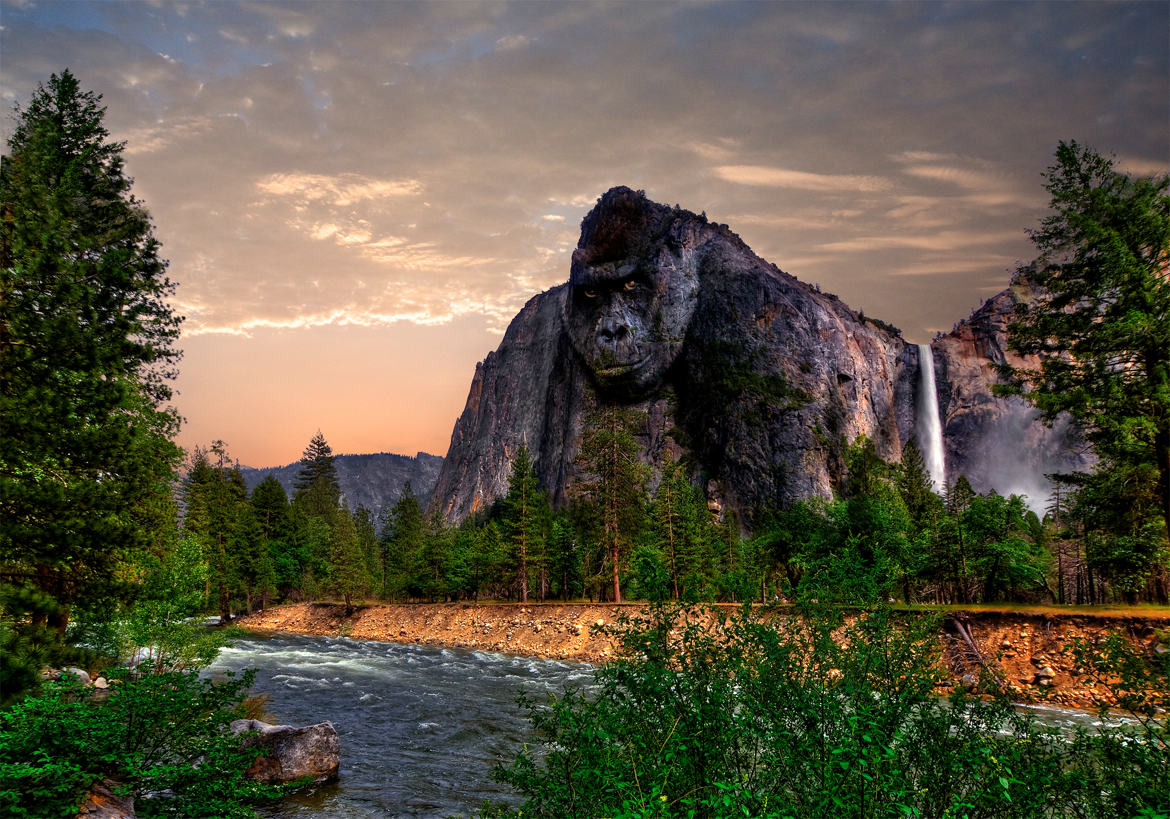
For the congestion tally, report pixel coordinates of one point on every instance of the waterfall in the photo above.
(928, 423)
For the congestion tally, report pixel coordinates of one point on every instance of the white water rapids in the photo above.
(421, 727)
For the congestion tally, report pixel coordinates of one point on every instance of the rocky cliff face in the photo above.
(375, 481)
(756, 380)
(998, 443)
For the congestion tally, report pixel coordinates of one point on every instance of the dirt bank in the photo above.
(1029, 652)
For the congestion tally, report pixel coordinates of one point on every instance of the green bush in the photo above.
(812, 716)
(162, 737)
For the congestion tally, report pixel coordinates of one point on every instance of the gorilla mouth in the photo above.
(617, 370)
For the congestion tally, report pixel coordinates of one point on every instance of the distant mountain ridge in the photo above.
(375, 481)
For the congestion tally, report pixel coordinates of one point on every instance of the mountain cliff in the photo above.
(752, 378)
(998, 443)
(374, 481)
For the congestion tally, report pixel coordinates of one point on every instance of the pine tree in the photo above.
(367, 539)
(271, 511)
(86, 352)
(916, 487)
(613, 483)
(316, 482)
(346, 572)
(218, 513)
(565, 569)
(526, 512)
(681, 529)
(402, 545)
(1099, 317)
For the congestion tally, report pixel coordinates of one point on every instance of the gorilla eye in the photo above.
(630, 285)
(590, 293)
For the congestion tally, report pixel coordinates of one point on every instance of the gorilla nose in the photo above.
(612, 332)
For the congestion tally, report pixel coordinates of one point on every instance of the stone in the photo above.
(312, 752)
(102, 803)
(970, 680)
(101, 682)
(1045, 673)
(80, 673)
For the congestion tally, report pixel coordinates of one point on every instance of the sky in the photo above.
(356, 197)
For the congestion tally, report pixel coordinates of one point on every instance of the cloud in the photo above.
(404, 163)
(511, 42)
(772, 177)
(341, 190)
(943, 240)
(950, 266)
(1136, 166)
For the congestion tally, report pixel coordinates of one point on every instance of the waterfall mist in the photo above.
(927, 422)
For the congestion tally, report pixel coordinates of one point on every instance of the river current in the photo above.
(421, 728)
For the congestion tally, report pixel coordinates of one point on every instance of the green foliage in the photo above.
(525, 523)
(612, 488)
(682, 531)
(916, 487)
(565, 559)
(1099, 314)
(282, 568)
(346, 575)
(86, 335)
(1002, 557)
(316, 482)
(403, 539)
(162, 629)
(219, 515)
(28, 644)
(162, 737)
(809, 716)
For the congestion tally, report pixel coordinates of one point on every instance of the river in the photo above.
(421, 728)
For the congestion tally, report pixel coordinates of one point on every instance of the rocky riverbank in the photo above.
(1029, 652)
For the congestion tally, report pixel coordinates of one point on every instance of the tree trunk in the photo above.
(1162, 455)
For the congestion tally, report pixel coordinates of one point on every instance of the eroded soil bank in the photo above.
(1030, 652)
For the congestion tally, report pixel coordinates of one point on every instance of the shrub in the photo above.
(162, 737)
(810, 716)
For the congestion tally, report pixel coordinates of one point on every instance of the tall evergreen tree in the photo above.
(1099, 315)
(402, 544)
(682, 530)
(526, 512)
(316, 481)
(565, 569)
(614, 483)
(346, 571)
(86, 352)
(217, 511)
(270, 509)
(916, 487)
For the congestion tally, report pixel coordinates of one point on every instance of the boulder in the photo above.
(312, 752)
(80, 673)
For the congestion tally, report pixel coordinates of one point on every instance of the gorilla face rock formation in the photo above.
(756, 379)
(633, 287)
